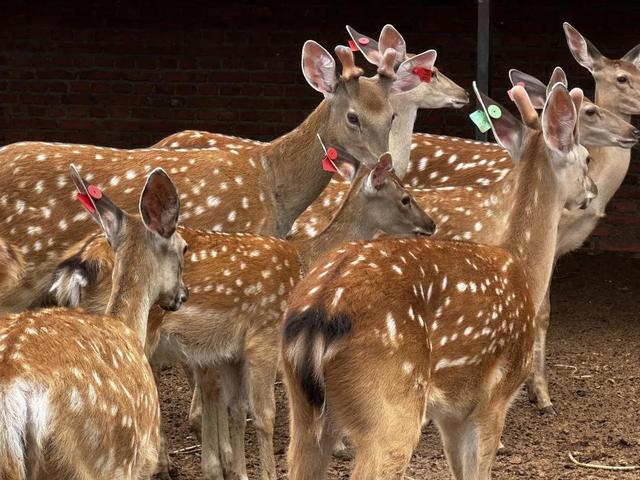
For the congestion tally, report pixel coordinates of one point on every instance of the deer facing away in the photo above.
(239, 288)
(77, 395)
(450, 337)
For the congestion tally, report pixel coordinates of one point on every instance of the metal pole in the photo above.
(482, 70)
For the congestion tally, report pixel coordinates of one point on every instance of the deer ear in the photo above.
(407, 78)
(585, 53)
(380, 173)
(633, 55)
(319, 68)
(160, 204)
(558, 76)
(367, 45)
(346, 165)
(559, 119)
(103, 211)
(391, 38)
(536, 90)
(508, 130)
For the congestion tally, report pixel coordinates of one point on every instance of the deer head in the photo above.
(598, 126)
(148, 251)
(433, 90)
(558, 126)
(617, 80)
(360, 112)
(377, 201)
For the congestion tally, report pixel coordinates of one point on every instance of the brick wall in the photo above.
(126, 75)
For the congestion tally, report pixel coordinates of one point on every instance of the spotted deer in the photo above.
(616, 90)
(479, 212)
(77, 396)
(447, 327)
(239, 287)
(260, 191)
(434, 91)
(12, 271)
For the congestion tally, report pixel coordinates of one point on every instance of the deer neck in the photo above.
(401, 134)
(609, 165)
(294, 177)
(532, 229)
(131, 296)
(347, 224)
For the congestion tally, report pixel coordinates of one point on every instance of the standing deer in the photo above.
(434, 91)
(239, 288)
(446, 327)
(615, 91)
(77, 396)
(261, 191)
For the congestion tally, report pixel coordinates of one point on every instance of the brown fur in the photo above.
(239, 285)
(77, 395)
(262, 190)
(447, 327)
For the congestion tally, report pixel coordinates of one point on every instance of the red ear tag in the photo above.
(94, 192)
(85, 201)
(327, 161)
(353, 46)
(424, 73)
(363, 41)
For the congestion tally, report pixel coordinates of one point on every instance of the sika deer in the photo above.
(261, 191)
(447, 328)
(616, 90)
(77, 396)
(434, 91)
(239, 288)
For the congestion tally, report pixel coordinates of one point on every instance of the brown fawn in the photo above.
(434, 91)
(260, 191)
(77, 395)
(239, 288)
(381, 334)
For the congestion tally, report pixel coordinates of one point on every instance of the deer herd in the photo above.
(306, 255)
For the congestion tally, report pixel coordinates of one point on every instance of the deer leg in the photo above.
(262, 368)
(537, 386)
(384, 451)
(235, 403)
(195, 409)
(310, 450)
(210, 394)
(164, 467)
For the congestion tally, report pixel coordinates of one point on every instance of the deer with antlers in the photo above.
(239, 285)
(77, 395)
(435, 90)
(451, 336)
(260, 191)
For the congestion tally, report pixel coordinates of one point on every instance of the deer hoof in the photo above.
(548, 410)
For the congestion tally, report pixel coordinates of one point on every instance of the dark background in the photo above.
(126, 74)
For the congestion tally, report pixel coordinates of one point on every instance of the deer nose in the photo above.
(184, 295)
(636, 133)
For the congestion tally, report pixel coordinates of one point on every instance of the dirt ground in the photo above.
(593, 363)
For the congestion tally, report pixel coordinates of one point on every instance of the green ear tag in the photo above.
(481, 121)
(494, 111)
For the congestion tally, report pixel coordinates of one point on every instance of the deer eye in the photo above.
(406, 200)
(622, 79)
(185, 249)
(590, 112)
(353, 119)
